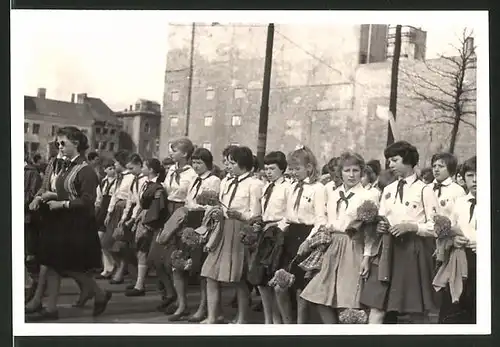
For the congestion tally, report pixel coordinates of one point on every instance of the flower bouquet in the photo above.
(282, 280)
(352, 316)
(180, 261)
(250, 232)
(366, 217)
(445, 234)
(208, 198)
(191, 238)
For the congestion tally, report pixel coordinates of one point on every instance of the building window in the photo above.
(138, 106)
(210, 93)
(112, 131)
(54, 130)
(103, 145)
(157, 145)
(26, 147)
(207, 145)
(239, 93)
(208, 120)
(147, 128)
(104, 131)
(34, 147)
(97, 130)
(174, 95)
(111, 146)
(36, 128)
(26, 128)
(147, 145)
(236, 121)
(373, 43)
(174, 121)
(96, 145)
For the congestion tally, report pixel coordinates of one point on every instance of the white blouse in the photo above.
(100, 191)
(133, 201)
(246, 197)
(419, 205)
(311, 209)
(461, 218)
(276, 207)
(177, 191)
(450, 191)
(122, 192)
(208, 182)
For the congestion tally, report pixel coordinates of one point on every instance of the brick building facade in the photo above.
(324, 90)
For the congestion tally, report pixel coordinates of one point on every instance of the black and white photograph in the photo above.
(281, 170)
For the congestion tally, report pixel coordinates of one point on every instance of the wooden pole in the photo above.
(393, 98)
(190, 82)
(264, 106)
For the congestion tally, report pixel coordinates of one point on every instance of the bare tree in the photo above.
(448, 88)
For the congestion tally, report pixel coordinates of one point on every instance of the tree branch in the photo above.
(468, 123)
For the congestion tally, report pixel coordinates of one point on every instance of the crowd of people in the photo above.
(354, 242)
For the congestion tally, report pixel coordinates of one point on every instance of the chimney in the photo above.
(130, 108)
(469, 45)
(80, 98)
(41, 93)
(72, 98)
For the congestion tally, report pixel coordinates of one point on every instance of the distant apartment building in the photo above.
(141, 128)
(326, 83)
(43, 116)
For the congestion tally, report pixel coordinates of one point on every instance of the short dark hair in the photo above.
(216, 170)
(469, 165)
(256, 166)
(155, 165)
(324, 169)
(135, 159)
(107, 162)
(75, 135)
(333, 163)
(204, 155)
(92, 155)
(426, 174)
(36, 158)
(405, 150)
(375, 165)
(122, 156)
(449, 159)
(228, 150)
(278, 158)
(167, 161)
(243, 157)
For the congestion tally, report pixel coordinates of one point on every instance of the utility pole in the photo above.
(264, 106)
(190, 82)
(393, 98)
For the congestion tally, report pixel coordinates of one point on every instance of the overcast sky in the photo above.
(119, 57)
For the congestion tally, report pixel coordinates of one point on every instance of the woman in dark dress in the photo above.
(70, 245)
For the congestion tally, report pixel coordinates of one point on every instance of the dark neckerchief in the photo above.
(197, 184)
(472, 207)
(234, 183)
(343, 198)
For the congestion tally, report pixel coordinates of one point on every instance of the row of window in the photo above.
(239, 93)
(31, 147)
(35, 129)
(206, 145)
(208, 120)
(104, 146)
(104, 131)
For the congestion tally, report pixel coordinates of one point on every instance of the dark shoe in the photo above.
(36, 309)
(130, 286)
(100, 307)
(104, 277)
(258, 307)
(83, 300)
(166, 303)
(135, 292)
(170, 309)
(177, 316)
(113, 281)
(43, 315)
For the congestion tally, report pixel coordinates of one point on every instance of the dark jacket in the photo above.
(32, 183)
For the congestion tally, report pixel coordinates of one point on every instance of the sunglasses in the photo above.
(59, 143)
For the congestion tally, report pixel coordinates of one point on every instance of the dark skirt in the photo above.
(102, 212)
(69, 240)
(464, 311)
(410, 289)
(162, 254)
(294, 236)
(109, 242)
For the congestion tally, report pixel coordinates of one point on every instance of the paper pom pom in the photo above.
(351, 316)
(190, 237)
(367, 211)
(249, 234)
(179, 260)
(207, 197)
(442, 227)
(282, 279)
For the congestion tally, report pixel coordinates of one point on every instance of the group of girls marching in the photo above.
(140, 205)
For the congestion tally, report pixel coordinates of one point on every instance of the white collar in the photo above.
(410, 179)
(205, 174)
(353, 189)
(446, 182)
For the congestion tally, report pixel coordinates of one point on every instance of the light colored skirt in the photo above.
(227, 262)
(338, 282)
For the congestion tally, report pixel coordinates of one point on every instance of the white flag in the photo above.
(385, 114)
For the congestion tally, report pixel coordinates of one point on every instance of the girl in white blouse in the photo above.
(337, 285)
(241, 203)
(444, 166)
(305, 213)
